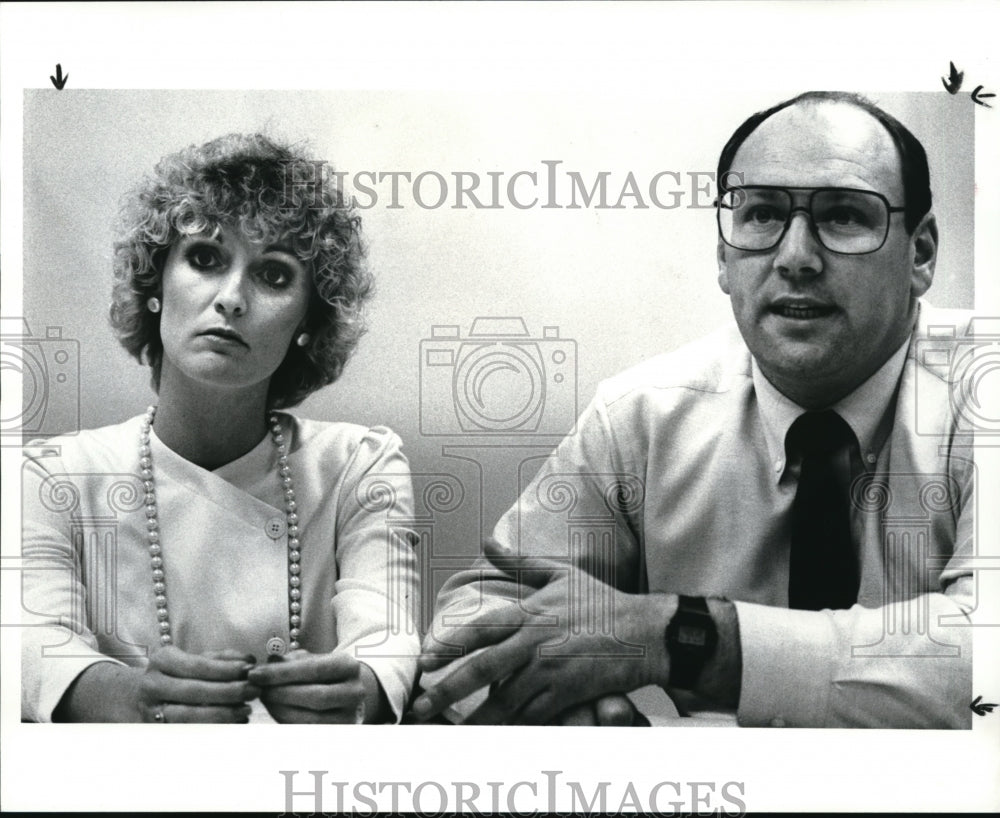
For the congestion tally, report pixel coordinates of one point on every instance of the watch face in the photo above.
(691, 635)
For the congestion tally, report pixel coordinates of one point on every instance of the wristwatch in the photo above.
(691, 638)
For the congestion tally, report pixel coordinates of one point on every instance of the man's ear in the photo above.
(723, 273)
(923, 247)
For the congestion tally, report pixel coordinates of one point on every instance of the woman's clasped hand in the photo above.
(219, 687)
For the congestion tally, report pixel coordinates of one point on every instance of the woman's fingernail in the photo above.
(422, 707)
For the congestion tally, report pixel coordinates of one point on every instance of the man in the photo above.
(711, 528)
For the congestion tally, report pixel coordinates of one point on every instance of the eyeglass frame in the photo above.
(809, 215)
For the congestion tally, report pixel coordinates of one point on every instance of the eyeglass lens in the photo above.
(845, 221)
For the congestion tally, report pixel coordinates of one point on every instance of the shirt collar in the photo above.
(866, 411)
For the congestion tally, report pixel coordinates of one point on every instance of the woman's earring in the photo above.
(303, 339)
(153, 304)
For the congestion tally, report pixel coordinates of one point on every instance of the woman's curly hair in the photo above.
(273, 194)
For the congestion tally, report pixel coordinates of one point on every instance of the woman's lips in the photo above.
(226, 335)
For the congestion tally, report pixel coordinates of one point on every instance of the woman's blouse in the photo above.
(87, 581)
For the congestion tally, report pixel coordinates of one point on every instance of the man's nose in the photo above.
(799, 251)
(230, 299)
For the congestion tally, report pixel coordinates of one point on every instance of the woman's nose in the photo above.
(231, 296)
(799, 250)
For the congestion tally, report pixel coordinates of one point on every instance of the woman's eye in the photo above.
(202, 258)
(275, 275)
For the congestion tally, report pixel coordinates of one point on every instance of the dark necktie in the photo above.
(823, 569)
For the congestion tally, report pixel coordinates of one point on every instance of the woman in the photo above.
(217, 554)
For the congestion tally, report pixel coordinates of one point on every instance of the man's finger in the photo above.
(488, 627)
(583, 715)
(615, 710)
(536, 572)
(508, 699)
(541, 709)
(491, 665)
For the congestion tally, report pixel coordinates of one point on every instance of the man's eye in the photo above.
(760, 214)
(845, 217)
(275, 275)
(202, 258)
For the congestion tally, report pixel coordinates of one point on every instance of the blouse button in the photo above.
(275, 646)
(275, 527)
(778, 722)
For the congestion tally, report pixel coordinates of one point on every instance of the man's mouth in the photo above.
(802, 311)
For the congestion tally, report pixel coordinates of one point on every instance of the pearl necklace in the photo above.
(156, 551)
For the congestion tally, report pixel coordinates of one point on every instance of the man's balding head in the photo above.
(912, 156)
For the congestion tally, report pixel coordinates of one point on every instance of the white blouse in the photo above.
(87, 580)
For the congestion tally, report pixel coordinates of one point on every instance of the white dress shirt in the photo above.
(675, 481)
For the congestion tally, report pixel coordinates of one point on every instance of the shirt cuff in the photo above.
(394, 663)
(788, 662)
(45, 680)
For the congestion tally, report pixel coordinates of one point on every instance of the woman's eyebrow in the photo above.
(204, 236)
(279, 248)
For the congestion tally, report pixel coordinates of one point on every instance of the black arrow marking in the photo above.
(981, 709)
(978, 98)
(59, 80)
(954, 81)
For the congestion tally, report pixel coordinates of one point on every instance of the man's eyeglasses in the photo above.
(843, 220)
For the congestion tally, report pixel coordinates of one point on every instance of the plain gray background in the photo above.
(620, 285)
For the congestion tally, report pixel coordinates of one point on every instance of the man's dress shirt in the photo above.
(676, 480)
